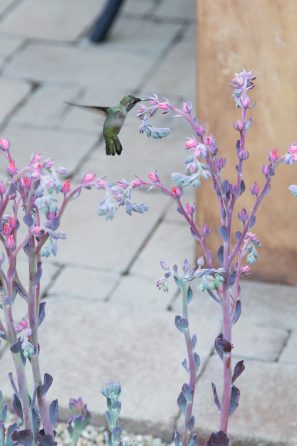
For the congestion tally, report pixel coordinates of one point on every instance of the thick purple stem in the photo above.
(192, 368)
(33, 318)
(227, 369)
(18, 363)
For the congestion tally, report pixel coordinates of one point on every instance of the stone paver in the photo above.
(45, 107)
(12, 93)
(170, 241)
(258, 341)
(95, 65)
(109, 246)
(267, 410)
(67, 149)
(134, 291)
(264, 303)
(138, 7)
(8, 45)
(84, 284)
(4, 5)
(51, 19)
(182, 73)
(175, 9)
(289, 351)
(105, 317)
(143, 36)
(139, 347)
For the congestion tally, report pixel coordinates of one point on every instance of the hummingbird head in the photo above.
(129, 102)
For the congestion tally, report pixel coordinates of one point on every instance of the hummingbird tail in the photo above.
(113, 146)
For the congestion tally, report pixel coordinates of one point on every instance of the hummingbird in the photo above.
(114, 121)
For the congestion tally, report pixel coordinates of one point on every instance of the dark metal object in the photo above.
(105, 20)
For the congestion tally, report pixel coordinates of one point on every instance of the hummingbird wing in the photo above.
(93, 108)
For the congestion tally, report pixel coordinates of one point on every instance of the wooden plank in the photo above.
(260, 35)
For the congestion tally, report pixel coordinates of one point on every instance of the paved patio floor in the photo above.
(105, 317)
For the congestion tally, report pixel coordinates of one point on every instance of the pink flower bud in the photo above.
(205, 231)
(201, 130)
(4, 144)
(2, 187)
(137, 183)
(265, 170)
(153, 177)
(255, 189)
(239, 125)
(191, 143)
(48, 163)
(292, 148)
(187, 107)
(246, 269)
(36, 158)
(12, 222)
(37, 231)
(6, 229)
(273, 155)
(176, 191)
(208, 140)
(12, 168)
(26, 182)
(164, 106)
(10, 242)
(88, 178)
(66, 186)
(190, 209)
(101, 183)
(246, 102)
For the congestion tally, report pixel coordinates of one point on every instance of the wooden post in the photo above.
(259, 35)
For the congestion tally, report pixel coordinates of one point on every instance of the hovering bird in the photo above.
(114, 121)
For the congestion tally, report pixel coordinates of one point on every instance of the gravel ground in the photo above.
(95, 436)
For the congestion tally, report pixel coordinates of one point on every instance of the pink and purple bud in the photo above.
(2, 187)
(4, 144)
(205, 231)
(191, 143)
(26, 182)
(88, 178)
(266, 170)
(164, 106)
(66, 186)
(243, 215)
(245, 100)
(246, 269)
(187, 107)
(11, 169)
(201, 130)
(190, 209)
(209, 140)
(243, 155)
(153, 177)
(255, 189)
(137, 183)
(273, 155)
(10, 242)
(101, 183)
(37, 231)
(239, 125)
(176, 191)
(291, 156)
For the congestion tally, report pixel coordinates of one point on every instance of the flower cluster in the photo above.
(189, 273)
(112, 392)
(23, 333)
(78, 420)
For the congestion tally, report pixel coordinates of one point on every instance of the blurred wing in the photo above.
(92, 108)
